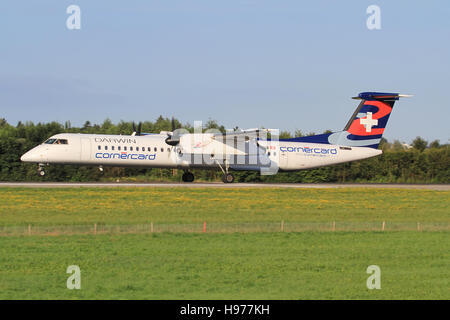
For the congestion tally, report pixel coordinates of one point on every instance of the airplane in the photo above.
(250, 149)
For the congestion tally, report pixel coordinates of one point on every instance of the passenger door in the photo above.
(283, 159)
(85, 153)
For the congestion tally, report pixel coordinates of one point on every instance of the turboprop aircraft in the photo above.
(250, 149)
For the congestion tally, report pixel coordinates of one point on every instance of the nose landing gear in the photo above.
(40, 170)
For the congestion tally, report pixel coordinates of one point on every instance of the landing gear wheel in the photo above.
(187, 177)
(228, 178)
(40, 170)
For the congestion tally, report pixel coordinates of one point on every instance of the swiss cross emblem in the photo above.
(368, 122)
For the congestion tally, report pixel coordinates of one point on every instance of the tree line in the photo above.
(418, 162)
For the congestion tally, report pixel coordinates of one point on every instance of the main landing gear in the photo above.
(187, 177)
(226, 177)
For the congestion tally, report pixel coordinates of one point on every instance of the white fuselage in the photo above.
(152, 151)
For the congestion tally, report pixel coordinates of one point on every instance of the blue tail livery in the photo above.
(366, 126)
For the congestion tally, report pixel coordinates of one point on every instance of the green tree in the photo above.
(285, 135)
(419, 144)
(435, 144)
(416, 165)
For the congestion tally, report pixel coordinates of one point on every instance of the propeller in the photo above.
(137, 132)
(171, 140)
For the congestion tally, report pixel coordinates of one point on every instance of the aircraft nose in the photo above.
(26, 157)
(30, 156)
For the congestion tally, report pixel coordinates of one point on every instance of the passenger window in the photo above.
(112, 148)
(162, 149)
(118, 148)
(125, 148)
(149, 149)
(106, 147)
(131, 148)
(168, 149)
(155, 149)
(99, 147)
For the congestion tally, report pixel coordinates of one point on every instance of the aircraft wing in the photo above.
(246, 135)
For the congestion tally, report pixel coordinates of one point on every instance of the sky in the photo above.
(275, 64)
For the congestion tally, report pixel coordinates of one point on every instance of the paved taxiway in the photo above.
(441, 187)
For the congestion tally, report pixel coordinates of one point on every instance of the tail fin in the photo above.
(366, 126)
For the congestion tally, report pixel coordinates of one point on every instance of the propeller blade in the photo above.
(139, 128)
(172, 137)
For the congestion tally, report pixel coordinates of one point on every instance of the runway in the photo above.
(439, 187)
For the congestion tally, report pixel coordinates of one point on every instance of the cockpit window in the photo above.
(50, 141)
(56, 141)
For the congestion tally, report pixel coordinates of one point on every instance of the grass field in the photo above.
(414, 265)
(254, 265)
(178, 205)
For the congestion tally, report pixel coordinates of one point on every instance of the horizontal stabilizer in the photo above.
(380, 96)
